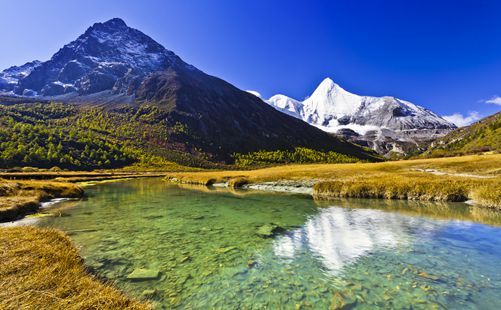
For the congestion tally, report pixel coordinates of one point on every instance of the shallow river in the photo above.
(201, 248)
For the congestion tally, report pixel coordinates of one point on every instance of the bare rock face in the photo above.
(385, 124)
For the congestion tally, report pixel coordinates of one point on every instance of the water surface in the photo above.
(350, 253)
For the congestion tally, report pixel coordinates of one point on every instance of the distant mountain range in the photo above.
(121, 70)
(385, 124)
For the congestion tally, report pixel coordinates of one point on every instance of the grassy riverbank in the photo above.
(41, 269)
(21, 197)
(22, 192)
(475, 177)
(413, 187)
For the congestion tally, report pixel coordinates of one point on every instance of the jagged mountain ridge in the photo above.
(121, 69)
(386, 124)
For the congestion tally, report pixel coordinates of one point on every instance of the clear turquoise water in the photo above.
(362, 254)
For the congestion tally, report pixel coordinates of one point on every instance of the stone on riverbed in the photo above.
(343, 301)
(142, 274)
(149, 293)
(269, 230)
(225, 250)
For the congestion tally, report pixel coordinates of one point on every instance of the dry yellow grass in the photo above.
(489, 165)
(41, 269)
(410, 187)
(444, 179)
(488, 196)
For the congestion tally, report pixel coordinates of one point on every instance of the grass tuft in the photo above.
(427, 189)
(237, 182)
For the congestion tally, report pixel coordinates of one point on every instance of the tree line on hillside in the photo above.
(300, 155)
(46, 135)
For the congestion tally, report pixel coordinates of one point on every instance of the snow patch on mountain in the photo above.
(255, 93)
(287, 105)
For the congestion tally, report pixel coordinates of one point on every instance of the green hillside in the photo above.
(482, 136)
(47, 135)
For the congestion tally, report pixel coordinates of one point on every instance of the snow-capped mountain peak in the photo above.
(384, 123)
(330, 100)
(108, 57)
(327, 87)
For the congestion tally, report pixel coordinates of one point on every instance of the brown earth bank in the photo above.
(76, 176)
(41, 269)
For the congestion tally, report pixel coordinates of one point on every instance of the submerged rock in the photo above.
(226, 249)
(251, 263)
(152, 217)
(343, 301)
(424, 274)
(77, 231)
(141, 274)
(269, 230)
(149, 293)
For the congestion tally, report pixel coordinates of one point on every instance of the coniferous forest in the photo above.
(48, 135)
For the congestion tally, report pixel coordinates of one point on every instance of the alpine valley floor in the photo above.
(134, 203)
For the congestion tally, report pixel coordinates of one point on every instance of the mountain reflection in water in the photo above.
(338, 236)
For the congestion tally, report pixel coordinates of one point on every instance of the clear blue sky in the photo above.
(444, 55)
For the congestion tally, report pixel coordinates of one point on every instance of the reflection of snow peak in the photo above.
(339, 236)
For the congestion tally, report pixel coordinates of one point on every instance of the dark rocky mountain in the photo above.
(122, 69)
(9, 78)
(109, 57)
(229, 120)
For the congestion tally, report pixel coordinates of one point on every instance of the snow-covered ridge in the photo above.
(10, 77)
(381, 122)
